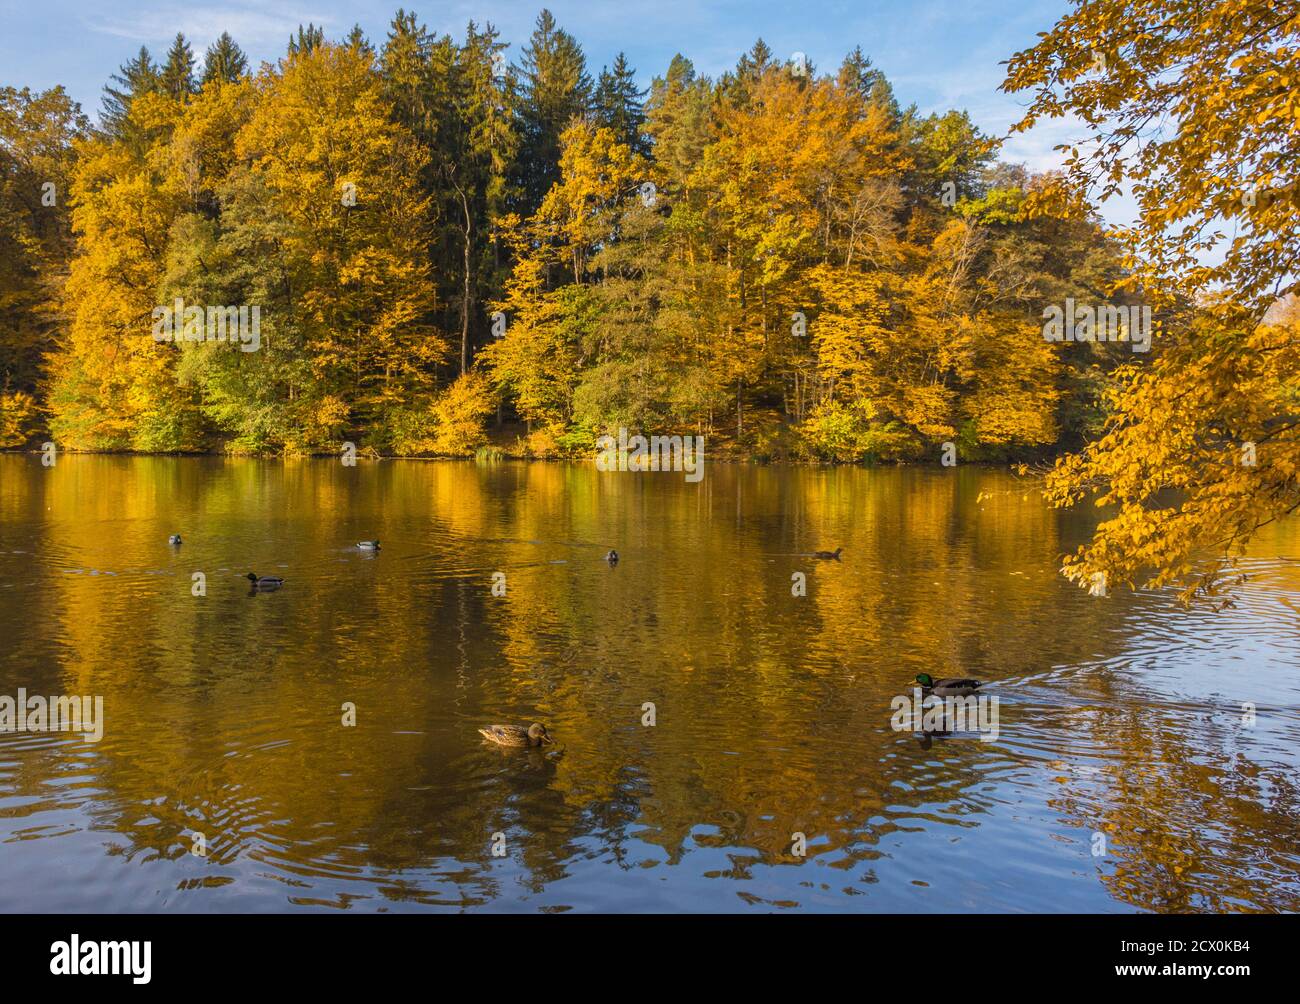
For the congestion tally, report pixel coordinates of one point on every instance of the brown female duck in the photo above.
(517, 735)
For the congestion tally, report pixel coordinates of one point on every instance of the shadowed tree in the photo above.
(37, 133)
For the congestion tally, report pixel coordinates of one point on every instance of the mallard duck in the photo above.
(828, 555)
(612, 557)
(264, 581)
(368, 545)
(517, 735)
(948, 687)
(174, 540)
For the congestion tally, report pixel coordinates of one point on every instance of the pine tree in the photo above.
(754, 63)
(308, 38)
(485, 147)
(356, 41)
(555, 89)
(177, 77)
(487, 100)
(735, 87)
(405, 70)
(620, 106)
(224, 61)
(139, 76)
(679, 120)
(868, 83)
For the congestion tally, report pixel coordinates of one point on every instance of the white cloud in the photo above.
(253, 26)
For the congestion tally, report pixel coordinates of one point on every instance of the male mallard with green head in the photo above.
(517, 735)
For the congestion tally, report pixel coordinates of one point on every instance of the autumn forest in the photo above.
(785, 259)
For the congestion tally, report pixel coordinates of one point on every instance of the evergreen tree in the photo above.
(555, 89)
(859, 76)
(356, 41)
(177, 77)
(308, 38)
(224, 61)
(486, 144)
(755, 62)
(620, 106)
(405, 69)
(735, 87)
(679, 120)
(139, 76)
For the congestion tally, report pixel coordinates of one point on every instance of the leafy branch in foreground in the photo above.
(1191, 106)
(1201, 450)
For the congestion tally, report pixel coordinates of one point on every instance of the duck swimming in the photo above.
(368, 545)
(828, 555)
(174, 540)
(612, 557)
(949, 687)
(517, 735)
(264, 581)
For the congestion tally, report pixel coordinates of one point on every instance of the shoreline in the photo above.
(505, 457)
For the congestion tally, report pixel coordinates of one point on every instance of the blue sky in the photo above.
(938, 54)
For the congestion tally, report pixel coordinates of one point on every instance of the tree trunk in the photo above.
(465, 303)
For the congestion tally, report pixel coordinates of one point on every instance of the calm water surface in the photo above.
(1120, 716)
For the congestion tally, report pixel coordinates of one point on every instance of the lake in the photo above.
(1128, 772)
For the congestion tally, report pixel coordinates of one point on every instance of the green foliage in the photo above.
(177, 77)
(848, 434)
(620, 106)
(224, 61)
(138, 77)
(556, 88)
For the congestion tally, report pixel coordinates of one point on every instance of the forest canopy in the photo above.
(447, 249)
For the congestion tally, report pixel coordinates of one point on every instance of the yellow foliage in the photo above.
(18, 414)
(1192, 108)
